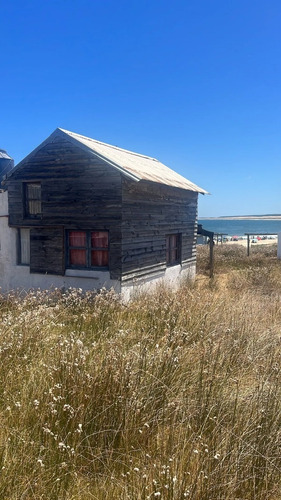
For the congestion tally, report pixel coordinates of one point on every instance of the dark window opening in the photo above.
(88, 249)
(33, 206)
(173, 249)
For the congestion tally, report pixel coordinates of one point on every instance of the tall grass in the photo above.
(175, 395)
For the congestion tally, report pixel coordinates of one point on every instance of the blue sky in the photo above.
(196, 84)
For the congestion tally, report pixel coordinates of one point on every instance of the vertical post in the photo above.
(248, 245)
(279, 246)
(211, 256)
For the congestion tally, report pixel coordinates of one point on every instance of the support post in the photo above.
(279, 246)
(248, 245)
(211, 257)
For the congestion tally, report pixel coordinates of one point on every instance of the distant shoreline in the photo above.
(244, 217)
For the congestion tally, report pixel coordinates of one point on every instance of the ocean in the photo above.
(240, 227)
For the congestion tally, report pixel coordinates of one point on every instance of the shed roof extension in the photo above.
(133, 165)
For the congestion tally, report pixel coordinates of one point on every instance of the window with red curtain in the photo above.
(99, 248)
(87, 249)
(173, 249)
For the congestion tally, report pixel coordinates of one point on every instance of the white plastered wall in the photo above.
(18, 277)
(172, 278)
(8, 247)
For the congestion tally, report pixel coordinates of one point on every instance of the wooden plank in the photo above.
(83, 192)
(149, 214)
(46, 251)
(78, 192)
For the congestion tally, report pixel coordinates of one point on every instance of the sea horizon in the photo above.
(243, 217)
(241, 226)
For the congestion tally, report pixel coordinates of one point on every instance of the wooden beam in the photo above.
(211, 257)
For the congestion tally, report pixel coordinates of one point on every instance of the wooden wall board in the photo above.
(81, 191)
(149, 213)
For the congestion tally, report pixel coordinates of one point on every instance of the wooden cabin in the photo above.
(88, 214)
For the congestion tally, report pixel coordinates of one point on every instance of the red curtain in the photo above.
(99, 258)
(79, 248)
(77, 257)
(77, 238)
(99, 239)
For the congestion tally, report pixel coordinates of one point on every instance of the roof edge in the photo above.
(63, 133)
(34, 151)
(98, 155)
(60, 132)
(71, 135)
(107, 144)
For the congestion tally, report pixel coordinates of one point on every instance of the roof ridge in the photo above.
(108, 145)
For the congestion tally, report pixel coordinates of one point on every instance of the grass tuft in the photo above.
(175, 395)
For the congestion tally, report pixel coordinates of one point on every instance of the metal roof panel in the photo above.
(137, 165)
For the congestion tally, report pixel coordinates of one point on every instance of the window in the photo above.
(33, 199)
(173, 249)
(88, 249)
(24, 246)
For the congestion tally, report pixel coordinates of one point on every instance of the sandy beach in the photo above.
(244, 242)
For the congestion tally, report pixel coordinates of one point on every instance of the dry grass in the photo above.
(173, 396)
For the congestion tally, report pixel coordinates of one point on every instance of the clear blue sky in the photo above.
(194, 83)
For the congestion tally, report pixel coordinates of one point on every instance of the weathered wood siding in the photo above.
(149, 213)
(79, 191)
(46, 254)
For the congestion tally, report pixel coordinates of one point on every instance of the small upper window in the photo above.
(173, 249)
(33, 206)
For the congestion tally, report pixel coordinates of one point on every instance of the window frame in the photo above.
(28, 213)
(20, 247)
(170, 248)
(88, 248)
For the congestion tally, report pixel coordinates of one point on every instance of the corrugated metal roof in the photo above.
(137, 166)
